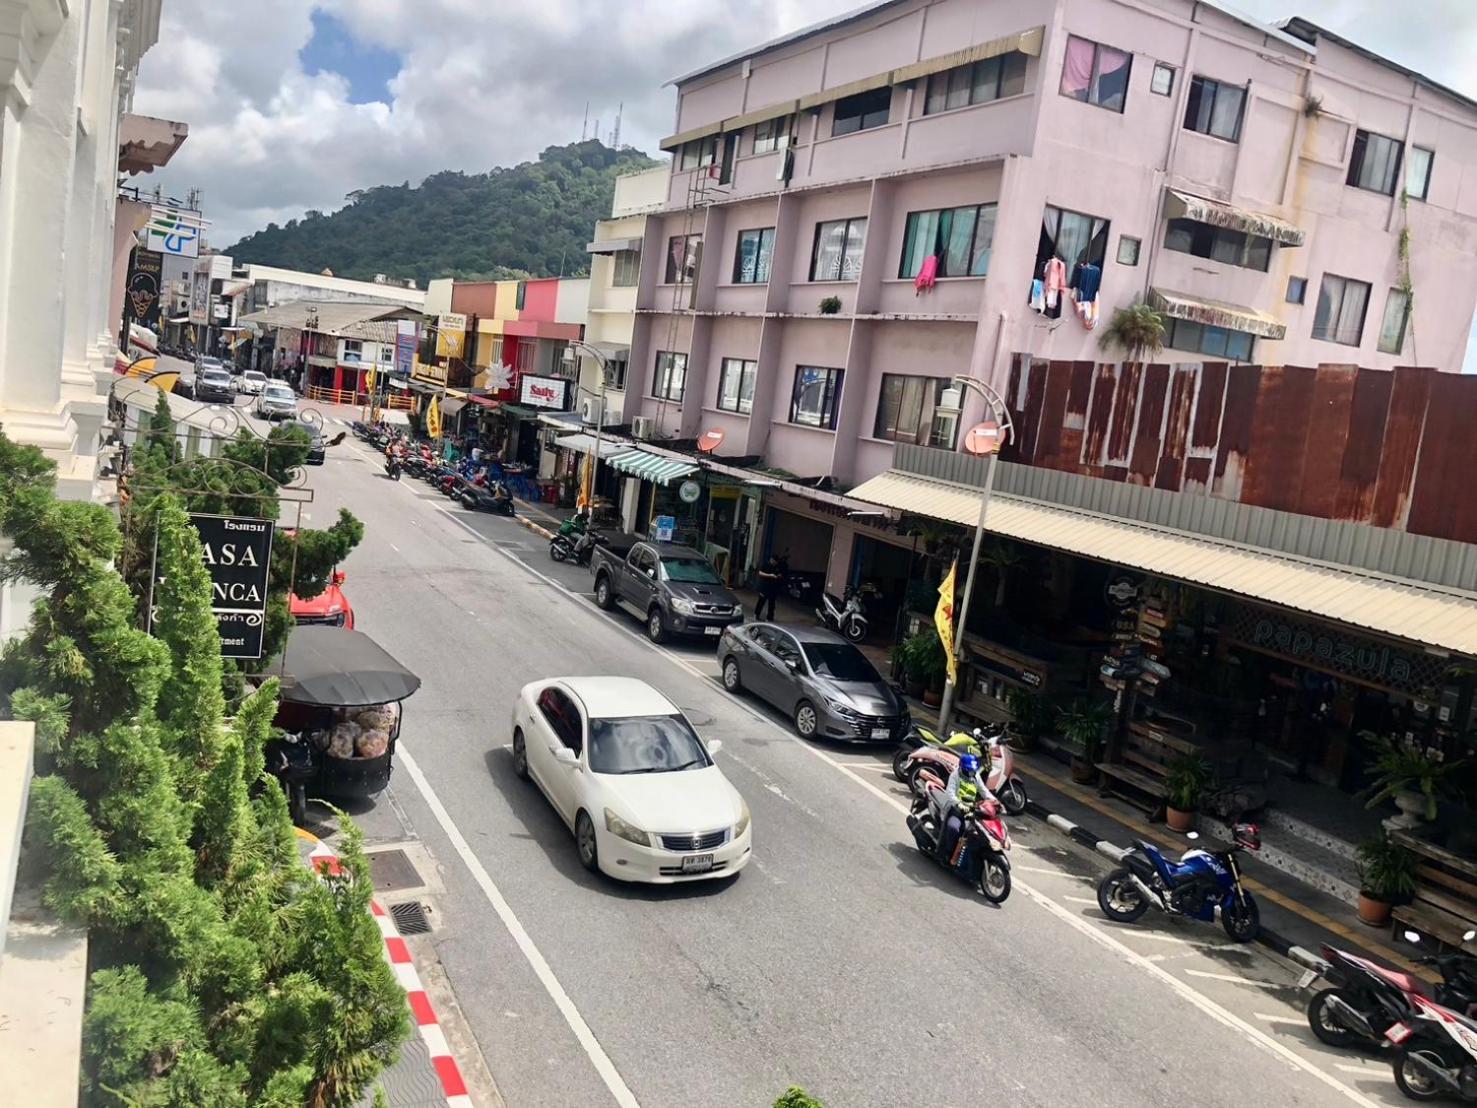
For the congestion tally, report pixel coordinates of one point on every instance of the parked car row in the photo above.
(213, 382)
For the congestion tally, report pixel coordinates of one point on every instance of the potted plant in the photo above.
(925, 664)
(1030, 716)
(830, 305)
(1083, 723)
(1386, 878)
(1412, 779)
(1189, 776)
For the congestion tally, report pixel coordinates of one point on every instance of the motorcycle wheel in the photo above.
(1412, 1081)
(915, 778)
(1322, 1023)
(1244, 920)
(1013, 796)
(469, 502)
(899, 763)
(1119, 899)
(557, 551)
(994, 883)
(856, 631)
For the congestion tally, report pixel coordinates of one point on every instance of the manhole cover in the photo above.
(392, 871)
(410, 918)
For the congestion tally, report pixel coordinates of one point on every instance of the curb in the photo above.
(542, 532)
(322, 859)
(1272, 940)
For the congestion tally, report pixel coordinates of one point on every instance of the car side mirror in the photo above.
(566, 757)
(792, 664)
(714, 745)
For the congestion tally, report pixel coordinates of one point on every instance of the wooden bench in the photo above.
(1139, 776)
(1445, 904)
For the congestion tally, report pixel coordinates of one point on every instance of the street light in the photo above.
(950, 402)
(578, 344)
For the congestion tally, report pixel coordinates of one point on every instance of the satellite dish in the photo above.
(710, 441)
(984, 438)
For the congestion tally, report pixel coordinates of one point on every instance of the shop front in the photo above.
(662, 498)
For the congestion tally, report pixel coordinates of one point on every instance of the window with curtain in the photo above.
(736, 385)
(625, 268)
(862, 111)
(682, 252)
(1073, 237)
(907, 411)
(1374, 163)
(816, 396)
(1215, 108)
(1397, 318)
(669, 381)
(615, 370)
(1202, 338)
(959, 237)
(699, 152)
(976, 83)
(1096, 74)
(1221, 244)
(837, 252)
(774, 134)
(752, 258)
(1418, 172)
(1339, 316)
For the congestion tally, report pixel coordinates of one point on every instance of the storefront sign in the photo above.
(141, 297)
(174, 231)
(544, 392)
(405, 347)
(238, 554)
(200, 297)
(665, 527)
(451, 335)
(1323, 647)
(1121, 591)
(690, 492)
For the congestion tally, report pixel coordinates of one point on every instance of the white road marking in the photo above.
(1231, 977)
(1081, 900)
(395, 548)
(1037, 869)
(1096, 932)
(1295, 1021)
(541, 969)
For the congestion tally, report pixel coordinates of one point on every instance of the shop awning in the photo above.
(612, 246)
(1404, 610)
(652, 467)
(1186, 205)
(488, 402)
(585, 444)
(518, 411)
(563, 421)
(451, 407)
(1217, 313)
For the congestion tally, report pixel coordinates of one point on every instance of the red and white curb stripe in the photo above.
(324, 860)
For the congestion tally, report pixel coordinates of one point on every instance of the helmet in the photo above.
(969, 765)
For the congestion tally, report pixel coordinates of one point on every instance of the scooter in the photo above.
(940, 757)
(918, 736)
(1435, 1052)
(979, 855)
(847, 616)
(562, 545)
(578, 549)
(392, 467)
(1195, 886)
(479, 498)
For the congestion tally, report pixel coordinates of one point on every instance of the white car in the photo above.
(627, 772)
(275, 401)
(251, 382)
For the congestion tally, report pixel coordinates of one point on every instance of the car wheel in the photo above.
(731, 680)
(806, 721)
(520, 754)
(656, 626)
(584, 841)
(604, 598)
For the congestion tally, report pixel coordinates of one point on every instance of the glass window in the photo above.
(837, 253)
(1161, 82)
(520, 295)
(1128, 250)
(1202, 338)
(907, 411)
(816, 396)
(774, 134)
(670, 380)
(689, 571)
(752, 259)
(1096, 74)
(1297, 290)
(959, 237)
(1397, 316)
(840, 662)
(1375, 163)
(625, 268)
(976, 83)
(1418, 173)
(682, 255)
(1221, 244)
(645, 744)
(736, 385)
(616, 368)
(1073, 237)
(563, 718)
(1339, 316)
(699, 152)
(864, 110)
(1215, 108)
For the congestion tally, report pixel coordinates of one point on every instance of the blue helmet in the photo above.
(969, 765)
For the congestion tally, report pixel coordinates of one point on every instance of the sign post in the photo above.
(237, 555)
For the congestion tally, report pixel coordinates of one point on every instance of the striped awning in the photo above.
(652, 467)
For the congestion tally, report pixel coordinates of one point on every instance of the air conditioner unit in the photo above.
(642, 427)
(590, 411)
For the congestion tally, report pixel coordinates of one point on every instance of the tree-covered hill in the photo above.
(531, 219)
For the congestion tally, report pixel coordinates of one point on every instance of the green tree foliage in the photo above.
(224, 973)
(531, 219)
(796, 1097)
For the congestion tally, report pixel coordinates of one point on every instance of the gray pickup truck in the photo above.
(673, 588)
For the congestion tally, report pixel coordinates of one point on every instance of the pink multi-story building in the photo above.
(862, 209)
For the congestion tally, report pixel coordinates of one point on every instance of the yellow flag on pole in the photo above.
(943, 618)
(433, 417)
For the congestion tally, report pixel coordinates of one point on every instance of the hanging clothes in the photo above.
(1054, 278)
(1038, 297)
(928, 275)
(1086, 280)
(1087, 313)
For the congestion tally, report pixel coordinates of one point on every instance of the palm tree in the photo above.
(1138, 329)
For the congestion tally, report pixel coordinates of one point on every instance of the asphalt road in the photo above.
(841, 959)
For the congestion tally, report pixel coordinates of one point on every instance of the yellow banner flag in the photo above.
(433, 417)
(943, 619)
(369, 381)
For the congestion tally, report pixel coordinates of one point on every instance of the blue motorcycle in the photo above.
(1195, 886)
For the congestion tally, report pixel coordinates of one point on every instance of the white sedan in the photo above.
(626, 771)
(251, 382)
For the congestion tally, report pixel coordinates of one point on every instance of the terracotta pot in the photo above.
(933, 697)
(1376, 913)
(1177, 820)
(1083, 771)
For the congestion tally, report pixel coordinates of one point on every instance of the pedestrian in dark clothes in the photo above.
(771, 579)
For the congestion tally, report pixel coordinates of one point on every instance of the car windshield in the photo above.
(254, 375)
(839, 662)
(689, 571)
(215, 376)
(279, 392)
(645, 744)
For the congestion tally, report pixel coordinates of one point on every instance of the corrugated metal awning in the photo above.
(1216, 313)
(1404, 610)
(672, 142)
(585, 444)
(759, 115)
(851, 88)
(612, 246)
(1027, 42)
(652, 467)
(1185, 205)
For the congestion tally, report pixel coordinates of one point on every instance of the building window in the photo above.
(959, 237)
(1297, 290)
(751, 262)
(1073, 237)
(837, 252)
(1128, 250)
(1161, 82)
(1375, 163)
(497, 352)
(1339, 316)
(523, 356)
(625, 268)
(908, 411)
(774, 134)
(1096, 74)
(699, 152)
(670, 380)
(736, 385)
(353, 350)
(1397, 317)
(816, 397)
(1202, 338)
(521, 295)
(1221, 244)
(1418, 172)
(1215, 108)
(976, 83)
(862, 111)
(682, 255)
(615, 373)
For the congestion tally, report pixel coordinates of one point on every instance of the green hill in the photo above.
(531, 219)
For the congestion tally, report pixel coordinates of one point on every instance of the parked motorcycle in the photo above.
(578, 549)
(979, 855)
(392, 467)
(934, 754)
(1435, 1052)
(1200, 882)
(846, 616)
(480, 498)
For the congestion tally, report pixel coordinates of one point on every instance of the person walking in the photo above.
(771, 579)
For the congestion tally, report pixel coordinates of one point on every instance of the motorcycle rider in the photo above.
(965, 789)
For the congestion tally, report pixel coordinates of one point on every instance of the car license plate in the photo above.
(712, 630)
(1308, 978)
(881, 733)
(697, 863)
(1397, 1033)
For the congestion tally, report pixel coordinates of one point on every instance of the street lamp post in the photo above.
(578, 344)
(1004, 434)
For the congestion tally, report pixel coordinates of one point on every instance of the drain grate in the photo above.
(411, 918)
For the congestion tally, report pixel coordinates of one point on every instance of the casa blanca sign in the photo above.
(237, 554)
